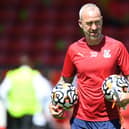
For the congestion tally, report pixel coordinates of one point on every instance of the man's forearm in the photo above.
(127, 76)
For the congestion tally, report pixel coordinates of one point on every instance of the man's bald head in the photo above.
(88, 9)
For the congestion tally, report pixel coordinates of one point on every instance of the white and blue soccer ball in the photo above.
(113, 86)
(64, 95)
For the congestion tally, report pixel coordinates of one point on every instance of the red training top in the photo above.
(93, 64)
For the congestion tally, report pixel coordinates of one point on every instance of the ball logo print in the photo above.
(113, 86)
(64, 96)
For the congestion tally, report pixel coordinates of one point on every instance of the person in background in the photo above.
(26, 95)
(2, 115)
(93, 58)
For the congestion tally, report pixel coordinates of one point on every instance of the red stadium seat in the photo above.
(36, 27)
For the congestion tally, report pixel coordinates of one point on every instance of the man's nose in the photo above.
(94, 26)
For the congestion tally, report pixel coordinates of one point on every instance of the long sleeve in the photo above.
(43, 91)
(4, 89)
(43, 88)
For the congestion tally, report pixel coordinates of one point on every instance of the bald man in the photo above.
(92, 58)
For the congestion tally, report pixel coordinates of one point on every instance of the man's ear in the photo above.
(80, 23)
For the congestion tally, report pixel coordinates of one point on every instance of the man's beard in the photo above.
(93, 35)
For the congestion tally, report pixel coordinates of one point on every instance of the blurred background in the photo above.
(43, 29)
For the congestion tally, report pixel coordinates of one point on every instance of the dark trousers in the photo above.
(24, 122)
(43, 127)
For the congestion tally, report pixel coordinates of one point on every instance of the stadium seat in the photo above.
(45, 28)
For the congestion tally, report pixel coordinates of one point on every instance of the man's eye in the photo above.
(89, 23)
(95, 22)
(98, 22)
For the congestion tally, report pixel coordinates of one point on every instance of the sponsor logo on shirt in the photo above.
(106, 54)
(93, 54)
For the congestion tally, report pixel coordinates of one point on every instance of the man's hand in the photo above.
(124, 99)
(56, 111)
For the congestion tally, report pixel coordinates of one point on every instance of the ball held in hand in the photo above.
(64, 95)
(113, 86)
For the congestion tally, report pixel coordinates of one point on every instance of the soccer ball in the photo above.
(64, 95)
(113, 86)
